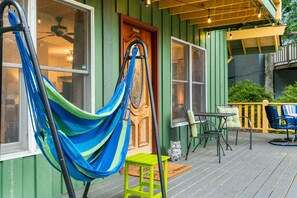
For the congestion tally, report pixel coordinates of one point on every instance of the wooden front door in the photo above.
(141, 139)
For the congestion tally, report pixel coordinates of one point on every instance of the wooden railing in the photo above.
(287, 55)
(256, 112)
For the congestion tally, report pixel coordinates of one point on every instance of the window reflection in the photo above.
(61, 48)
(10, 105)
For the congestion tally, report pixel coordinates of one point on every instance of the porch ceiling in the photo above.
(233, 15)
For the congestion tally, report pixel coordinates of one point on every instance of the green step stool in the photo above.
(144, 160)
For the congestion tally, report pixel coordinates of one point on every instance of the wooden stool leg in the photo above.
(165, 168)
(141, 178)
(151, 182)
(126, 180)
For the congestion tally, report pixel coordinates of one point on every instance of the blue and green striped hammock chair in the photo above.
(94, 145)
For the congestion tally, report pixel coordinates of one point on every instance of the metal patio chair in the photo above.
(203, 130)
(281, 122)
(233, 123)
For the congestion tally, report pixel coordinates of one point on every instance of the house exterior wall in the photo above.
(34, 177)
(244, 67)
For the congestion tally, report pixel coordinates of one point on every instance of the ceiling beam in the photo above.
(258, 32)
(218, 11)
(173, 3)
(206, 5)
(259, 45)
(226, 22)
(229, 48)
(229, 16)
(243, 46)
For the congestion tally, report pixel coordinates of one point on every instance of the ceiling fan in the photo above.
(59, 31)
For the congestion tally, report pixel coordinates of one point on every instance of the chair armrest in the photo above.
(211, 126)
(249, 120)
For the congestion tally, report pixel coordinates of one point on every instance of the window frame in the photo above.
(30, 10)
(189, 80)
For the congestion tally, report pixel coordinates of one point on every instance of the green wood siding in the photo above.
(34, 177)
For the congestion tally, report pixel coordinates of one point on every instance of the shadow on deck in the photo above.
(265, 171)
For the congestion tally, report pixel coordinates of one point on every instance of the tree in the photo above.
(289, 94)
(248, 92)
(289, 15)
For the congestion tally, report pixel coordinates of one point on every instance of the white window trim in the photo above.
(190, 45)
(31, 18)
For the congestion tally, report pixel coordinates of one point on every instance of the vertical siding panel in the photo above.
(57, 183)
(190, 33)
(225, 63)
(217, 70)
(196, 36)
(146, 14)
(134, 9)
(43, 178)
(183, 30)
(110, 48)
(122, 6)
(12, 175)
(156, 19)
(165, 79)
(28, 177)
(175, 26)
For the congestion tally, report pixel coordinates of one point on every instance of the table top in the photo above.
(214, 114)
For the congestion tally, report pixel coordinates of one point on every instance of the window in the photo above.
(187, 80)
(63, 31)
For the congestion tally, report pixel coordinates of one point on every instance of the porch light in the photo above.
(259, 13)
(208, 18)
(208, 34)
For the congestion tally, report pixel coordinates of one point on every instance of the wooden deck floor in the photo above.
(265, 171)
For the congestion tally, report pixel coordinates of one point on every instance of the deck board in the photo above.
(265, 171)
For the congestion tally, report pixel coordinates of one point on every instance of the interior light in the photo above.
(69, 57)
(230, 35)
(38, 20)
(147, 3)
(208, 18)
(208, 34)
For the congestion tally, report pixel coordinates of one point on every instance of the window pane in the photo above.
(61, 35)
(180, 54)
(180, 99)
(198, 62)
(198, 100)
(70, 85)
(10, 105)
(10, 49)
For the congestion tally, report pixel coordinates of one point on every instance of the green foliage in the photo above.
(289, 15)
(289, 94)
(248, 92)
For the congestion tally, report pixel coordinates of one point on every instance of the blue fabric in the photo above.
(94, 145)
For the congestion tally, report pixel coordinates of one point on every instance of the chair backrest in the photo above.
(231, 121)
(192, 122)
(288, 109)
(272, 116)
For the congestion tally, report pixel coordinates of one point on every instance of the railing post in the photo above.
(264, 118)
